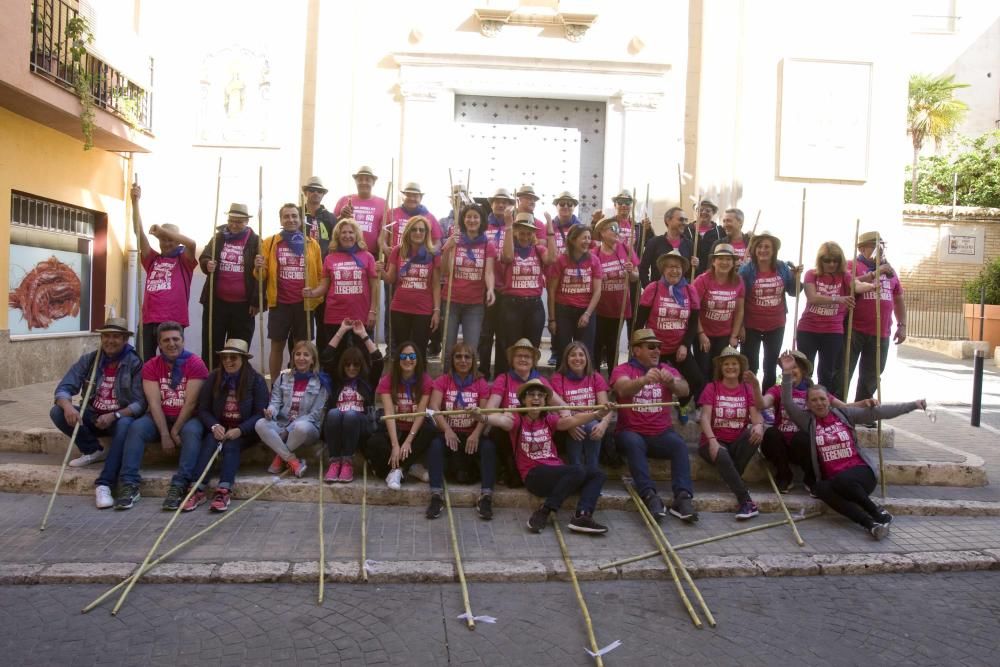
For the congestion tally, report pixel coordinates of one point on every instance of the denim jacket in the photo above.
(211, 405)
(128, 382)
(312, 406)
(748, 272)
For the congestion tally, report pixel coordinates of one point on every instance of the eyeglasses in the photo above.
(311, 190)
(614, 227)
(407, 356)
(651, 346)
(683, 219)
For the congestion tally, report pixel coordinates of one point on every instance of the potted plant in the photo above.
(988, 278)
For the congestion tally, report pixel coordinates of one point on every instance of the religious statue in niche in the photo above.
(235, 98)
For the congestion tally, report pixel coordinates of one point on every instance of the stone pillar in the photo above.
(427, 108)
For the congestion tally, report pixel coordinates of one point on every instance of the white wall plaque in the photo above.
(961, 245)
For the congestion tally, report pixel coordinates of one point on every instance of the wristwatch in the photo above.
(118, 415)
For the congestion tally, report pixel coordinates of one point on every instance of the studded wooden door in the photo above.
(554, 145)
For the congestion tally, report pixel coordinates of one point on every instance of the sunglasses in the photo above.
(651, 346)
(410, 356)
(352, 364)
(312, 190)
(614, 227)
(462, 356)
(565, 203)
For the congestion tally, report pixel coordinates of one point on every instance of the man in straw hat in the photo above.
(629, 234)
(527, 199)
(230, 256)
(544, 474)
(565, 204)
(708, 233)
(318, 220)
(491, 334)
(365, 207)
(648, 431)
(168, 276)
(115, 400)
(411, 206)
(672, 239)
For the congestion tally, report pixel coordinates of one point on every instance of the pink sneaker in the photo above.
(346, 472)
(197, 498)
(220, 503)
(333, 472)
(277, 465)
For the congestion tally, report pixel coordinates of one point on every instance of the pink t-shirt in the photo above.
(523, 277)
(626, 233)
(781, 420)
(404, 403)
(478, 391)
(730, 410)
(168, 288)
(667, 318)
(158, 370)
(105, 400)
(741, 250)
(613, 287)
(765, 305)
(864, 311)
(505, 386)
(470, 281)
(675, 243)
(291, 274)
(368, 213)
(579, 392)
(349, 296)
(835, 446)
(298, 391)
(496, 235)
(399, 218)
(718, 304)
(559, 234)
(231, 411)
(230, 275)
(642, 420)
(533, 442)
(576, 279)
(826, 317)
(350, 400)
(414, 287)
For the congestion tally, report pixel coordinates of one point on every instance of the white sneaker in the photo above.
(103, 497)
(417, 471)
(87, 459)
(394, 479)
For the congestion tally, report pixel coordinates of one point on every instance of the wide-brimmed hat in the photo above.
(624, 195)
(757, 238)
(673, 254)
(729, 352)
(115, 325)
(564, 196)
(708, 203)
(724, 250)
(527, 191)
(601, 224)
(526, 344)
(533, 383)
(236, 346)
(237, 211)
(525, 220)
(640, 336)
(413, 188)
(803, 362)
(314, 183)
(868, 238)
(501, 193)
(365, 170)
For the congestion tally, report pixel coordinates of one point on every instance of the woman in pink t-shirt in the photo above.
(349, 280)
(731, 426)
(619, 265)
(574, 290)
(524, 260)
(720, 295)
(578, 383)
(845, 476)
(829, 293)
(415, 272)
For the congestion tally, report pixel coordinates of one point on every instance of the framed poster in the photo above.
(49, 291)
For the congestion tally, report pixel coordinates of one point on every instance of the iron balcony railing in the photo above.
(51, 58)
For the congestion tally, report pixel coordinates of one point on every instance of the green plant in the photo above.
(976, 163)
(127, 106)
(989, 278)
(78, 36)
(931, 111)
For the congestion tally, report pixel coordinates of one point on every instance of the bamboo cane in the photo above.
(211, 276)
(878, 358)
(621, 310)
(798, 283)
(138, 271)
(364, 520)
(662, 540)
(650, 523)
(305, 263)
(451, 278)
(322, 548)
(695, 235)
(543, 408)
(850, 315)
(469, 618)
(260, 272)
(707, 540)
(579, 594)
(755, 223)
(183, 544)
(642, 249)
(381, 254)
(781, 502)
(72, 438)
(680, 187)
(134, 579)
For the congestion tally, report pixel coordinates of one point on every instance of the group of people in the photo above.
(697, 308)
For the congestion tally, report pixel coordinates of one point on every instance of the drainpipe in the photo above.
(131, 247)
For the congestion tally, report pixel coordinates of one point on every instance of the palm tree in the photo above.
(932, 111)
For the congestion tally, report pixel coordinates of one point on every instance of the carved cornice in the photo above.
(575, 24)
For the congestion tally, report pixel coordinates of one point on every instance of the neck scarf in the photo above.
(106, 360)
(295, 240)
(230, 380)
(353, 252)
(495, 224)
(419, 210)
(678, 291)
(461, 384)
(422, 257)
(563, 229)
(469, 244)
(635, 363)
(870, 263)
(324, 379)
(585, 257)
(519, 380)
(408, 385)
(238, 236)
(522, 251)
(176, 252)
(177, 371)
(571, 375)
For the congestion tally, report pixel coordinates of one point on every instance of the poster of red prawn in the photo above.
(49, 291)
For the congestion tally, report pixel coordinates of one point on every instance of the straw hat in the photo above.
(314, 183)
(237, 211)
(673, 254)
(533, 383)
(565, 195)
(236, 346)
(708, 203)
(804, 364)
(412, 188)
(115, 325)
(868, 238)
(601, 224)
(640, 336)
(525, 220)
(502, 194)
(527, 191)
(525, 344)
(365, 170)
(728, 352)
(623, 196)
(757, 238)
(724, 250)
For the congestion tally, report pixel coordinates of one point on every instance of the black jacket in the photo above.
(705, 243)
(211, 405)
(329, 359)
(654, 248)
(250, 250)
(320, 227)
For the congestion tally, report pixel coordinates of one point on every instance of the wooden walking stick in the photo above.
(595, 652)
(850, 315)
(228, 515)
(680, 186)
(322, 548)
(878, 357)
(364, 521)
(451, 276)
(798, 283)
(781, 502)
(72, 438)
(470, 620)
(211, 276)
(138, 272)
(260, 272)
(695, 235)
(642, 249)
(163, 533)
(381, 258)
(543, 408)
(621, 310)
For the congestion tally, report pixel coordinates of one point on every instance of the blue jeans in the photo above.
(566, 330)
(86, 437)
(667, 445)
(556, 483)
(470, 316)
(583, 452)
(144, 430)
(231, 452)
(486, 452)
(343, 432)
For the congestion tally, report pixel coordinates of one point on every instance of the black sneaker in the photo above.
(880, 515)
(434, 507)
(484, 506)
(538, 519)
(683, 508)
(175, 494)
(584, 523)
(128, 494)
(655, 505)
(784, 484)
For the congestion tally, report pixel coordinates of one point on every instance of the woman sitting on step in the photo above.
(846, 477)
